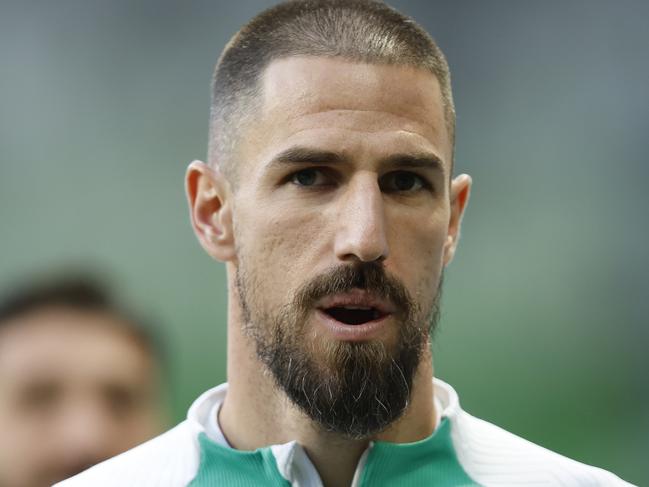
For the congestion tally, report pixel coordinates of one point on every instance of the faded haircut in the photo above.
(365, 31)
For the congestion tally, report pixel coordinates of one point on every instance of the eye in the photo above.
(309, 177)
(41, 398)
(403, 182)
(121, 400)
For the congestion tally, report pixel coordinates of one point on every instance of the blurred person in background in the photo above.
(329, 194)
(80, 381)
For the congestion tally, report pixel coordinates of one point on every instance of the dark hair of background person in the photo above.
(357, 30)
(82, 378)
(78, 292)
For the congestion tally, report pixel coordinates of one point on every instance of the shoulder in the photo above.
(495, 457)
(169, 460)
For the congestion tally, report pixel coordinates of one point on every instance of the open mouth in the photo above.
(355, 308)
(353, 315)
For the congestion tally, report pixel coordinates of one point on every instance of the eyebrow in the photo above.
(413, 161)
(301, 155)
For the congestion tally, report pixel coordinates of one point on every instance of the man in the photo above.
(79, 382)
(329, 195)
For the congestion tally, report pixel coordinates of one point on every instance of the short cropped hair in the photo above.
(80, 293)
(365, 31)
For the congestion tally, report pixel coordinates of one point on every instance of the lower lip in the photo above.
(352, 333)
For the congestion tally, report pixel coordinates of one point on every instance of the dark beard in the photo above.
(358, 388)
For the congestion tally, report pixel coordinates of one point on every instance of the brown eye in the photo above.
(121, 400)
(41, 397)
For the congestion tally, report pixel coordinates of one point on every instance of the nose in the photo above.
(360, 227)
(85, 431)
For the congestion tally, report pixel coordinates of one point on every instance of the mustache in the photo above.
(368, 276)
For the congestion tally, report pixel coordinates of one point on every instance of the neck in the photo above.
(256, 413)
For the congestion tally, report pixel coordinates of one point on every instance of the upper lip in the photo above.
(356, 298)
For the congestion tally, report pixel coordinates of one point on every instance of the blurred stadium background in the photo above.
(546, 307)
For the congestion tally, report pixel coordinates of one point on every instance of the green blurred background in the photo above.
(544, 328)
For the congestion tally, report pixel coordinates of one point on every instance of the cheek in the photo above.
(279, 253)
(417, 249)
(27, 446)
(132, 430)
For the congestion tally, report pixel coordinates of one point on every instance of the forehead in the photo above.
(336, 101)
(62, 344)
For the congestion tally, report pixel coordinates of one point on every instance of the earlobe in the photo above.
(460, 191)
(210, 211)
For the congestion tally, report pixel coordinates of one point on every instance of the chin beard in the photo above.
(355, 389)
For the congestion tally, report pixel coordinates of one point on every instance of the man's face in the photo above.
(341, 224)
(75, 389)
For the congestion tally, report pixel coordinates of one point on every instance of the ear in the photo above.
(210, 210)
(460, 190)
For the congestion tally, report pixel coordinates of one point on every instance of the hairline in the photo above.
(111, 319)
(79, 294)
(249, 99)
